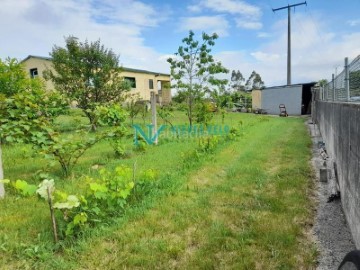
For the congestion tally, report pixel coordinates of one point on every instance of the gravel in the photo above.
(331, 232)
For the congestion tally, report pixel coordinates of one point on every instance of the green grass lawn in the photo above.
(246, 206)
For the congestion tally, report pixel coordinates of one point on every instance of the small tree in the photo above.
(13, 80)
(193, 69)
(133, 107)
(222, 97)
(323, 82)
(87, 73)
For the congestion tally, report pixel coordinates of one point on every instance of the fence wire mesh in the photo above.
(345, 86)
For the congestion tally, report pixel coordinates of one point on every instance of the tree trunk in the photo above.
(190, 112)
(2, 189)
(91, 120)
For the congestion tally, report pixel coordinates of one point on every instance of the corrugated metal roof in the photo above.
(287, 86)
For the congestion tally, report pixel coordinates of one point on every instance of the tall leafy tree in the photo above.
(236, 80)
(255, 81)
(194, 69)
(87, 73)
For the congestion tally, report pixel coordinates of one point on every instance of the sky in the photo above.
(146, 32)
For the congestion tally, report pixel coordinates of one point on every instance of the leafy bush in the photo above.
(103, 198)
(28, 117)
(20, 187)
(204, 112)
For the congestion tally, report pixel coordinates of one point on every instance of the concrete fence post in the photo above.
(347, 88)
(333, 86)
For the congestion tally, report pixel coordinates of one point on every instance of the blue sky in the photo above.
(146, 33)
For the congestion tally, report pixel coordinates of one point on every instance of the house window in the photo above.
(33, 73)
(151, 84)
(132, 81)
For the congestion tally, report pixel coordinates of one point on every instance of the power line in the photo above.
(289, 38)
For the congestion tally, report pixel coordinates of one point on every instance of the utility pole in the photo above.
(289, 38)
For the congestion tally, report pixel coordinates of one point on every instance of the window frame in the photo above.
(132, 81)
(32, 73)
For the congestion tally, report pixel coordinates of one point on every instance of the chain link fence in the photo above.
(345, 86)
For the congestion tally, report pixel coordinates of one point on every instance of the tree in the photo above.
(179, 97)
(254, 81)
(222, 97)
(323, 82)
(193, 69)
(87, 73)
(236, 80)
(13, 80)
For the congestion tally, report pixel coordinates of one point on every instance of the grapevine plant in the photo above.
(102, 198)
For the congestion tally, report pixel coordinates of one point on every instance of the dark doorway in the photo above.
(306, 98)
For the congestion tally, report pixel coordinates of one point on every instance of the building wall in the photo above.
(256, 99)
(339, 124)
(143, 86)
(291, 96)
(142, 79)
(41, 65)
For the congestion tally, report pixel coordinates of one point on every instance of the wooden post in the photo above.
(153, 115)
(53, 221)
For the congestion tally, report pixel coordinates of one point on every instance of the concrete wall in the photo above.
(339, 125)
(291, 96)
(256, 99)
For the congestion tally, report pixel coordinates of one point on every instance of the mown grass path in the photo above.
(245, 208)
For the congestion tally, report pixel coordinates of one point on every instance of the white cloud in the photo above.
(214, 24)
(194, 8)
(263, 35)
(33, 27)
(353, 22)
(316, 52)
(265, 57)
(126, 11)
(248, 24)
(229, 6)
(247, 15)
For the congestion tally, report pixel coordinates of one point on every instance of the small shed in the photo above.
(295, 97)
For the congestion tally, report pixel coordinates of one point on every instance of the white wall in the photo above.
(291, 96)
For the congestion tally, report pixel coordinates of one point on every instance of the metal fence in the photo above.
(345, 86)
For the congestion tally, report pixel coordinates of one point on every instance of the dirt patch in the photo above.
(331, 232)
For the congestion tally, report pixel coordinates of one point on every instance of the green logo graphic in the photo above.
(178, 131)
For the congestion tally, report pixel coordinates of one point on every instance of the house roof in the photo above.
(144, 71)
(35, 56)
(124, 68)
